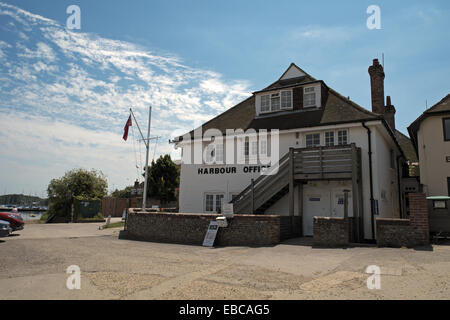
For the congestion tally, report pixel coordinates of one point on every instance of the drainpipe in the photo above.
(372, 213)
(399, 175)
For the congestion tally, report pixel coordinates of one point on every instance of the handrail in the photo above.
(302, 154)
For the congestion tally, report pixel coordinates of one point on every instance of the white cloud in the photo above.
(71, 88)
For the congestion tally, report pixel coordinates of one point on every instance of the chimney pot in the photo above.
(376, 73)
(388, 101)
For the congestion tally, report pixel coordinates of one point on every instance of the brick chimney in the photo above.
(376, 73)
(389, 113)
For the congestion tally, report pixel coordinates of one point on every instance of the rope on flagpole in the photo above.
(134, 151)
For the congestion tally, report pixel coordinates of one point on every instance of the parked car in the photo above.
(5, 228)
(15, 220)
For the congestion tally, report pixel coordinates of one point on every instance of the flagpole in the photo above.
(144, 197)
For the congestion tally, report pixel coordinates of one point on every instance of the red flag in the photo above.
(127, 125)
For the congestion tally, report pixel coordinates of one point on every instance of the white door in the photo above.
(337, 207)
(316, 202)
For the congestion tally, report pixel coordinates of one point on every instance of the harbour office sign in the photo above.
(231, 170)
(221, 150)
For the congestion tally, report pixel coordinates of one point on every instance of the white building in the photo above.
(327, 144)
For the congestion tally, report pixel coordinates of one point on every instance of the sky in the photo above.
(65, 94)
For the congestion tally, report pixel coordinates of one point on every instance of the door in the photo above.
(337, 208)
(316, 202)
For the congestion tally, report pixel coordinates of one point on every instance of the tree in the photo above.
(75, 183)
(124, 193)
(163, 179)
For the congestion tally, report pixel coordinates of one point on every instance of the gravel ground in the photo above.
(33, 266)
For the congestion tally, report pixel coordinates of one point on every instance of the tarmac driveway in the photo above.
(33, 266)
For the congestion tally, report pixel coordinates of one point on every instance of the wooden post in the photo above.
(291, 181)
(253, 196)
(346, 203)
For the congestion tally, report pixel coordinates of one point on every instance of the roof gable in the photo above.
(292, 72)
(442, 107)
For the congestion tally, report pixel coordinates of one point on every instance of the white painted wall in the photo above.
(433, 150)
(193, 186)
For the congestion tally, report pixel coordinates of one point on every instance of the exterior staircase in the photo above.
(298, 166)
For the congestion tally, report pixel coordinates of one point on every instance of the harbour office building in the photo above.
(325, 144)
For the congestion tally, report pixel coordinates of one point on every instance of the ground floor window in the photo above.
(313, 140)
(342, 137)
(213, 202)
(329, 138)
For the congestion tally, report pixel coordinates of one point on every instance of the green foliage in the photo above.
(124, 193)
(163, 179)
(79, 183)
(21, 199)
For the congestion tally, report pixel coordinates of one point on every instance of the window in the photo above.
(446, 123)
(329, 138)
(213, 202)
(265, 103)
(312, 140)
(342, 137)
(209, 202)
(309, 97)
(263, 147)
(219, 152)
(275, 102)
(286, 102)
(254, 148)
(219, 198)
(246, 148)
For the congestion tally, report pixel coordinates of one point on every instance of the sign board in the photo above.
(227, 210)
(211, 234)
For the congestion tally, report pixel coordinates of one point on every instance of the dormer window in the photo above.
(309, 97)
(286, 100)
(277, 101)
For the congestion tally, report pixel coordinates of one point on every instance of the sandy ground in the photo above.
(33, 265)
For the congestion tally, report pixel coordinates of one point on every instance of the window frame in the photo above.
(272, 96)
(313, 145)
(346, 137)
(214, 203)
(325, 139)
(446, 138)
(290, 100)
(305, 106)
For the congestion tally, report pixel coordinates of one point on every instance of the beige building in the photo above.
(430, 134)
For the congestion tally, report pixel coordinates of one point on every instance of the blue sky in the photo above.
(65, 94)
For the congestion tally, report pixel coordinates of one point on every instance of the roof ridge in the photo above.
(439, 103)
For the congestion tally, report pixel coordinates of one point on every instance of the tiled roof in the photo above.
(337, 109)
(442, 107)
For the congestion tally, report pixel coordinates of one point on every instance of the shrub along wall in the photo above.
(242, 230)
